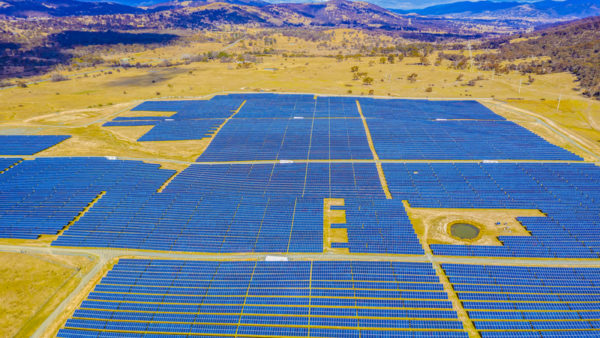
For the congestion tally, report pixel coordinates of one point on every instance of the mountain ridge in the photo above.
(544, 10)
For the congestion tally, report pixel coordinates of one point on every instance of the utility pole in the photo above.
(520, 83)
(558, 105)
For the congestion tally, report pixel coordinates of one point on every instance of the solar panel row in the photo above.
(219, 107)
(28, 144)
(281, 126)
(567, 193)
(180, 130)
(289, 139)
(316, 299)
(42, 196)
(6, 163)
(395, 109)
(467, 140)
(246, 208)
(538, 300)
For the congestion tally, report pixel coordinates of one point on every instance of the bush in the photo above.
(58, 78)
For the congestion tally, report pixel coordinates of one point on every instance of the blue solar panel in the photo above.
(504, 298)
(178, 130)
(562, 191)
(264, 305)
(250, 208)
(460, 140)
(6, 163)
(28, 144)
(42, 196)
(289, 139)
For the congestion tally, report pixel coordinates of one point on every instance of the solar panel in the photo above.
(523, 301)
(264, 298)
(28, 144)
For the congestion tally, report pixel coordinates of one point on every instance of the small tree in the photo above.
(412, 77)
(354, 69)
(391, 58)
(382, 60)
(367, 80)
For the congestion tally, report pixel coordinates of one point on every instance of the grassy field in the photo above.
(31, 286)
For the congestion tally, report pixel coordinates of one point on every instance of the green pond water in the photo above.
(464, 230)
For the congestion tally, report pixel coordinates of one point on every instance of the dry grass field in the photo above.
(31, 286)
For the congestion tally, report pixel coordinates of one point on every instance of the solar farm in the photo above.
(318, 216)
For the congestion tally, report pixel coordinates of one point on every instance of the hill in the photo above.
(211, 13)
(542, 11)
(572, 47)
(60, 8)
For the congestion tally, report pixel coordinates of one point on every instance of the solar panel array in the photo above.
(283, 126)
(274, 299)
(180, 130)
(426, 110)
(291, 127)
(510, 301)
(288, 139)
(247, 208)
(193, 120)
(279, 207)
(6, 163)
(218, 107)
(567, 193)
(417, 129)
(378, 226)
(28, 144)
(41, 197)
(466, 140)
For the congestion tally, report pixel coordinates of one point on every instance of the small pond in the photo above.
(464, 230)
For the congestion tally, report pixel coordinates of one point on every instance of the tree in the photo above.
(354, 69)
(367, 80)
(382, 60)
(391, 58)
(412, 77)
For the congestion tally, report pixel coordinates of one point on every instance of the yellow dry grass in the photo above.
(432, 224)
(31, 286)
(336, 235)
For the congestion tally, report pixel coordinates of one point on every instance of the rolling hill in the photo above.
(572, 47)
(207, 13)
(59, 8)
(542, 11)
